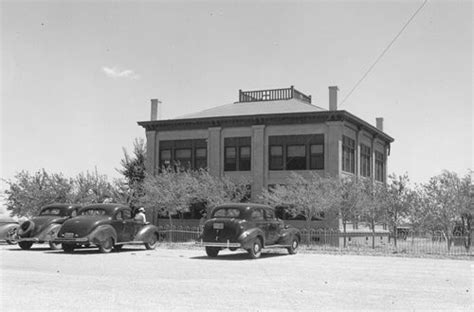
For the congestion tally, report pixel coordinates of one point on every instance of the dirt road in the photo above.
(186, 280)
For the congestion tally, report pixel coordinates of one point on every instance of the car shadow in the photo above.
(94, 251)
(241, 256)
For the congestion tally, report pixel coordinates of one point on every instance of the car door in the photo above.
(273, 227)
(129, 226)
(258, 217)
(118, 224)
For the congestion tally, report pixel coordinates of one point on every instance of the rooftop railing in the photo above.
(273, 95)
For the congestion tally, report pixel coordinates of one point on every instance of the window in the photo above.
(379, 166)
(365, 160)
(230, 160)
(237, 154)
(200, 158)
(296, 152)
(183, 157)
(257, 215)
(276, 157)
(316, 157)
(244, 158)
(296, 157)
(165, 158)
(190, 154)
(348, 154)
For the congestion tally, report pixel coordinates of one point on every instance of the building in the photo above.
(267, 134)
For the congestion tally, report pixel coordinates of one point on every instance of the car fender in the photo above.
(101, 233)
(49, 233)
(287, 235)
(247, 237)
(146, 232)
(6, 229)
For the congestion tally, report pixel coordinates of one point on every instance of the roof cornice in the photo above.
(264, 119)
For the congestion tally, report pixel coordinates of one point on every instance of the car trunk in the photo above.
(221, 230)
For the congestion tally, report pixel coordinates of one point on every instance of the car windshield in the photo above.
(93, 212)
(51, 212)
(227, 213)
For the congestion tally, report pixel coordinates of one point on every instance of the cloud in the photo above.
(116, 73)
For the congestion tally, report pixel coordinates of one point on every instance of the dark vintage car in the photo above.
(107, 226)
(248, 226)
(45, 227)
(8, 230)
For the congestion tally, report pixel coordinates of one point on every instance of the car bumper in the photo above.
(28, 239)
(81, 240)
(227, 244)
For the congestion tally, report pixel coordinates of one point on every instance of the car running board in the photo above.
(131, 243)
(276, 246)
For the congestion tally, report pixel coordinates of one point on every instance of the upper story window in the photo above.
(296, 152)
(296, 157)
(237, 154)
(379, 166)
(348, 154)
(189, 154)
(276, 157)
(316, 156)
(365, 156)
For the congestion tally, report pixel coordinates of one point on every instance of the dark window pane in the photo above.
(230, 162)
(317, 157)
(276, 157)
(296, 157)
(244, 158)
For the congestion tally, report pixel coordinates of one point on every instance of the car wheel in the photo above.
(294, 246)
(107, 245)
(256, 249)
(212, 251)
(25, 245)
(118, 247)
(233, 248)
(151, 244)
(54, 246)
(68, 247)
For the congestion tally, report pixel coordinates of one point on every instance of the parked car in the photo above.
(248, 226)
(8, 229)
(106, 226)
(44, 227)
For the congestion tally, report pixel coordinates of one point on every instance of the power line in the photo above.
(384, 51)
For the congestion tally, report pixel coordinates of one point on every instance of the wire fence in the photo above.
(335, 241)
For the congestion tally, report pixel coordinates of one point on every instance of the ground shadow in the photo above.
(240, 256)
(95, 251)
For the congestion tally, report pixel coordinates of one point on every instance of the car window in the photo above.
(93, 212)
(126, 214)
(227, 213)
(257, 214)
(51, 212)
(269, 214)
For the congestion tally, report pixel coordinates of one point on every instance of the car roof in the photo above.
(110, 208)
(62, 206)
(244, 206)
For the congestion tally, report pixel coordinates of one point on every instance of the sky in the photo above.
(77, 76)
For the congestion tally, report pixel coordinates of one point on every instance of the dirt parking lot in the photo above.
(186, 280)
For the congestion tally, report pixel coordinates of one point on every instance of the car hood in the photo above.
(83, 225)
(42, 222)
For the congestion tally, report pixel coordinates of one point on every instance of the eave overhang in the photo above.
(264, 119)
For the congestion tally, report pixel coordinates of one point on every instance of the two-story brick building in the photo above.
(268, 133)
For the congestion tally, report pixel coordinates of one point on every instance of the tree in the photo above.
(92, 187)
(27, 193)
(371, 207)
(447, 199)
(309, 198)
(349, 200)
(133, 170)
(396, 202)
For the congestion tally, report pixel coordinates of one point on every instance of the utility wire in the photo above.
(384, 51)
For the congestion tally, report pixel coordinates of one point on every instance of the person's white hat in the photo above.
(141, 209)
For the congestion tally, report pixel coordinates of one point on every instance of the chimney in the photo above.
(333, 98)
(154, 109)
(379, 123)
